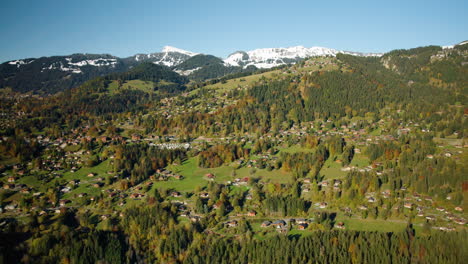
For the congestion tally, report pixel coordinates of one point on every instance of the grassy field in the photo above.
(146, 86)
(360, 161)
(194, 176)
(372, 224)
(332, 169)
(86, 182)
(294, 149)
(242, 81)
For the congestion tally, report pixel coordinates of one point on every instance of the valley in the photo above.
(347, 151)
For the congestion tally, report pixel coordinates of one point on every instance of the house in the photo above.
(324, 183)
(136, 137)
(302, 226)
(279, 224)
(210, 176)
(460, 221)
(266, 224)
(91, 175)
(8, 186)
(340, 225)
(251, 213)
(175, 194)
(98, 185)
(232, 223)
(362, 207)
(408, 205)
(323, 205)
(204, 195)
(64, 202)
(430, 218)
(459, 209)
(11, 179)
(306, 180)
(301, 221)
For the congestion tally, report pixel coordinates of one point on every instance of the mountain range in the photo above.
(48, 75)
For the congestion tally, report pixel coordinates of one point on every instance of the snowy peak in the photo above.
(168, 49)
(169, 56)
(272, 57)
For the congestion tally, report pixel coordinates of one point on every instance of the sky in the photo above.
(30, 28)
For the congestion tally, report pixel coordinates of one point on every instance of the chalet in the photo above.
(103, 139)
(210, 176)
(11, 179)
(306, 180)
(430, 218)
(25, 190)
(136, 137)
(217, 204)
(8, 186)
(451, 217)
(266, 224)
(408, 205)
(279, 223)
(340, 225)
(251, 213)
(324, 183)
(440, 209)
(204, 195)
(362, 207)
(301, 221)
(302, 226)
(306, 190)
(323, 205)
(248, 197)
(232, 223)
(371, 200)
(74, 182)
(98, 185)
(105, 217)
(64, 202)
(91, 175)
(460, 221)
(82, 195)
(459, 209)
(10, 207)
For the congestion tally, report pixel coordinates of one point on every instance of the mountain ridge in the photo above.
(58, 73)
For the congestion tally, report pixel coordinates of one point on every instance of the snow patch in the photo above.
(168, 49)
(97, 62)
(187, 72)
(272, 57)
(18, 63)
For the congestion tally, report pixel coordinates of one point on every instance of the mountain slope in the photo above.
(272, 57)
(53, 74)
(48, 75)
(169, 56)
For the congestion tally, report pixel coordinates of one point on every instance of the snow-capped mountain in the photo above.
(272, 57)
(169, 56)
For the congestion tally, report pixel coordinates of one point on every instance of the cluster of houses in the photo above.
(164, 175)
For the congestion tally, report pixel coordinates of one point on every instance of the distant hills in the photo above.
(48, 75)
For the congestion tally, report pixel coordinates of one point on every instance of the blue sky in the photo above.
(124, 28)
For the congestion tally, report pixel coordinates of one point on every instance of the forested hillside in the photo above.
(340, 159)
